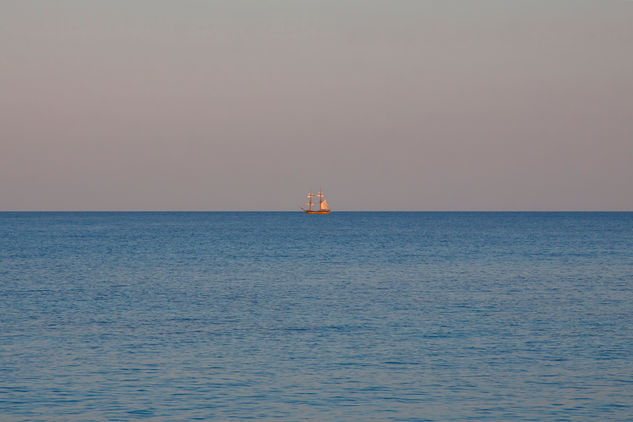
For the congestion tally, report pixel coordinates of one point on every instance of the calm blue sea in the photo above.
(287, 317)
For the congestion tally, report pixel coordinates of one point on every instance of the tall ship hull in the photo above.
(324, 208)
(318, 211)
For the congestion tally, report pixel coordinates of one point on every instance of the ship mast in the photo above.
(320, 196)
(310, 196)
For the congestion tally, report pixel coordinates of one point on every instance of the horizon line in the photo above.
(301, 212)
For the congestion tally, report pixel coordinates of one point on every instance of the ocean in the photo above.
(279, 316)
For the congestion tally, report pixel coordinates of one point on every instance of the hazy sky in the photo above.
(247, 105)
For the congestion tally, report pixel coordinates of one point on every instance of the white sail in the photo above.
(324, 205)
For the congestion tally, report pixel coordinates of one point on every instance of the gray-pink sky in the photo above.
(247, 105)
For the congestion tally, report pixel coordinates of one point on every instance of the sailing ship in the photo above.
(324, 208)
